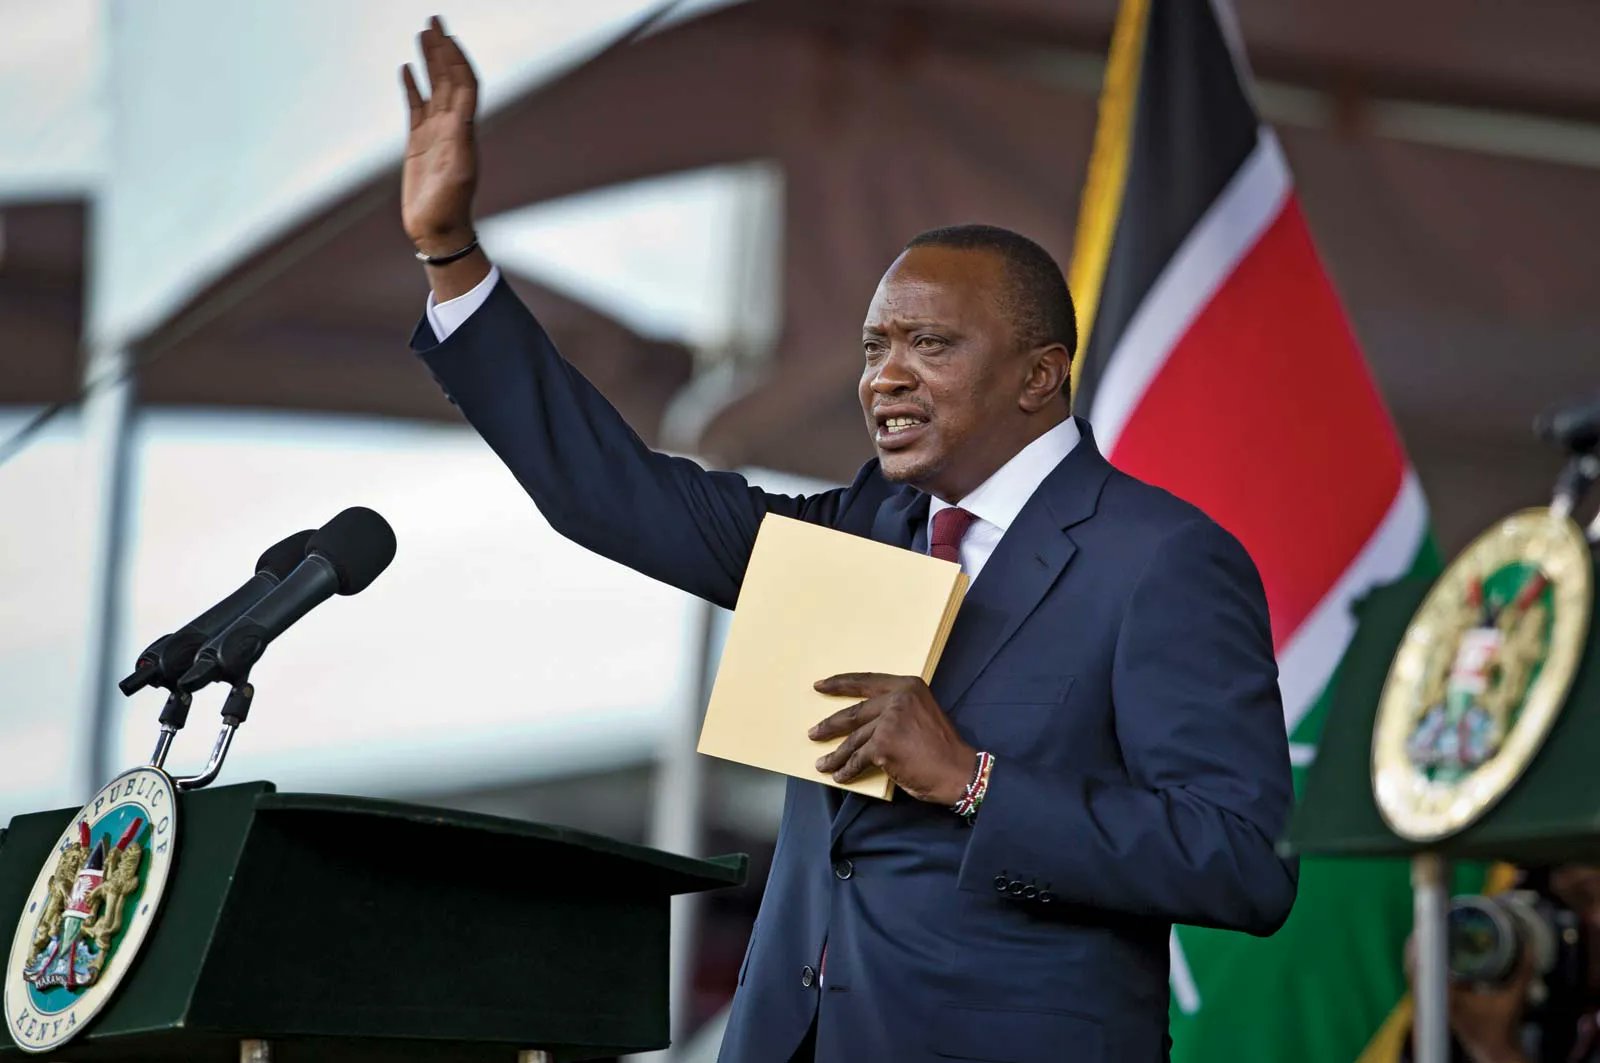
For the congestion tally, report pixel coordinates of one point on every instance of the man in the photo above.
(1102, 752)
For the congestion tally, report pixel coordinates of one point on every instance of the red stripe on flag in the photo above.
(1265, 416)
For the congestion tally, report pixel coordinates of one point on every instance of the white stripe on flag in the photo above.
(1207, 256)
(1184, 990)
(1307, 660)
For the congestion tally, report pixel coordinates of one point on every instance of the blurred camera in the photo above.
(1489, 935)
(1487, 939)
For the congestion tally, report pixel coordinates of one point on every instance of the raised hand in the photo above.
(441, 166)
(899, 728)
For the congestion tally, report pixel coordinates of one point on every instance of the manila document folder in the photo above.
(816, 602)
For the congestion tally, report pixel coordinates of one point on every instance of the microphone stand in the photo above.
(234, 711)
(1576, 477)
(176, 713)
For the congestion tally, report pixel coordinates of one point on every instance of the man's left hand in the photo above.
(899, 728)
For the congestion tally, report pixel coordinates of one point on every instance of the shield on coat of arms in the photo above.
(1481, 674)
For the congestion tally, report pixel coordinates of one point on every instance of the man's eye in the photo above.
(928, 343)
(872, 348)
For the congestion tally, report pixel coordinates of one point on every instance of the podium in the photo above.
(1551, 815)
(341, 928)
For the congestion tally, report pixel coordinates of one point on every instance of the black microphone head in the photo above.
(358, 543)
(281, 557)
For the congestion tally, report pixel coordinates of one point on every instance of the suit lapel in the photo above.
(898, 517)
(1023, 568)
(1025, 565)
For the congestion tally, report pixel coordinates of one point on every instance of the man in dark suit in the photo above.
(1102, 751)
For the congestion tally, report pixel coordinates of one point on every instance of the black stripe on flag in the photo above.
(1193, 129)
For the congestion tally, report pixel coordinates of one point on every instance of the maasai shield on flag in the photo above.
(1219, 365)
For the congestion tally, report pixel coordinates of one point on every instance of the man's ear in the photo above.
(1049, 370)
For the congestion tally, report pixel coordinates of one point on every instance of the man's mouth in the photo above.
(899, 430)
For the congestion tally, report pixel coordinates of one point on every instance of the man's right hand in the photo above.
(441, 166)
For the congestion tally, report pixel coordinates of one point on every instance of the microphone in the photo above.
(343, 557)
(1576, 427)
(169, 656)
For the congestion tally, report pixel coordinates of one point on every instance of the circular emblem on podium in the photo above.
(90, 909)
(1481, 674)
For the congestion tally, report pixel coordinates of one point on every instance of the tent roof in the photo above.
(1465, 271)
(41, 299)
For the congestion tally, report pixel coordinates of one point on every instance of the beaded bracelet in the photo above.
(967, 807)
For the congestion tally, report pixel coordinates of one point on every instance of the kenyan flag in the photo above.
(1219, 364)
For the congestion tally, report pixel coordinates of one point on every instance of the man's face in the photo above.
(944, 374)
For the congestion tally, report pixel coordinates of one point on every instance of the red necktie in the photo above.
(949, 525)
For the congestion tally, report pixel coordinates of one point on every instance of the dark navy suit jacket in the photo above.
(1114, 655)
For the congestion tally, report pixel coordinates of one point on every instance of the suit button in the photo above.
(807, 976)
(1015, 889)
(1030, 893)
(1046, 897)
(1001, 882)
(843, 869)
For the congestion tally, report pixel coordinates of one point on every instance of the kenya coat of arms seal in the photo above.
(1481, 674)
(90, 909)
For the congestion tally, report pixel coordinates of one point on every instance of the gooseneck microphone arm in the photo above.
(234, 712)
(174, 714)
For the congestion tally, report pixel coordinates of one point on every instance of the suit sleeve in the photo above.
(1188, 834)
(590, 475)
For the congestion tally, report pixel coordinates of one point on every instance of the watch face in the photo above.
(1481, 674)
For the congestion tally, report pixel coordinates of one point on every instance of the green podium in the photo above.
(339, 928)
(1551, 815)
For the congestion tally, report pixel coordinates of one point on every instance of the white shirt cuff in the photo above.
(444, 318)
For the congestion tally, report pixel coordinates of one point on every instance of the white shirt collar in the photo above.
(1001, 497)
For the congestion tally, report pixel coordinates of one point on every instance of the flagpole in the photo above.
(1430, 1028)
(108, 410)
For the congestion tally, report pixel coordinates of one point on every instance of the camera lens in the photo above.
(1483, 940)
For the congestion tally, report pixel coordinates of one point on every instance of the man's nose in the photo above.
(893, 375)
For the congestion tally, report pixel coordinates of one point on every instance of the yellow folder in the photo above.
(816, 602)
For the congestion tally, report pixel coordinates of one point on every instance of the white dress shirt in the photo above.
(444, 318)
(995, 502)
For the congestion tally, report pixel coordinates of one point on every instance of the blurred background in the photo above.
(205, 298)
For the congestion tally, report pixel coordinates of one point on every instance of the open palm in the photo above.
(441, 166)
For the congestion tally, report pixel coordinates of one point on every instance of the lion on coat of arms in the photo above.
(84, 910)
